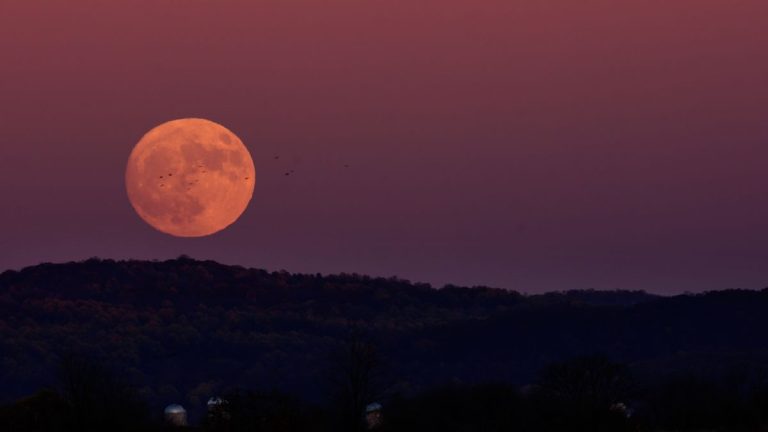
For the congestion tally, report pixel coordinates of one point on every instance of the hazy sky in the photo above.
(527, 144)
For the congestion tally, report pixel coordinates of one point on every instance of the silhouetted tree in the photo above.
(487, 408)
(690, 403)
(582, 393)
(43, 412)
(355, 378)
(96, 399)
(248, 411)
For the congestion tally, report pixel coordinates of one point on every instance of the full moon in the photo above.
(190, 177)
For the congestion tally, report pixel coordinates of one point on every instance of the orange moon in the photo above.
(190, 177)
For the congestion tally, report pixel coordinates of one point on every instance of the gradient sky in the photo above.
(526, 144)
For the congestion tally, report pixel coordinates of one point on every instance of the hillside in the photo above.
(183, 329)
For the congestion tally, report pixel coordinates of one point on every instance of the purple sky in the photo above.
(527, 144)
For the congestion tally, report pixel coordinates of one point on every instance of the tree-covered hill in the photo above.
(183, 330)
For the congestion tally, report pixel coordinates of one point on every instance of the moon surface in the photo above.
(190, 177)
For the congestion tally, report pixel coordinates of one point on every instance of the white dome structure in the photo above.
(217, 409)
(215, 402)
(373, 415)
(176, 415)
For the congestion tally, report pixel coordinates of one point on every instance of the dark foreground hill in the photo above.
(183, 330)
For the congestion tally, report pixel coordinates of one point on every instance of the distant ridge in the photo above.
(183, 328)
(585, 296)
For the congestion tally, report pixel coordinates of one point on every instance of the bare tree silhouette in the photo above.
(355, 377)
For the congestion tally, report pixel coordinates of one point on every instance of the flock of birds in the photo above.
(287, 173)
(203, 170)
(291, 172)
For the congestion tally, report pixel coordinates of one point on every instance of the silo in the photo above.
(176, 415)
(218, 409)
(373, 415)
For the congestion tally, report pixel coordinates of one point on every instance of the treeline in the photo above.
(591, 394)
(182, 330)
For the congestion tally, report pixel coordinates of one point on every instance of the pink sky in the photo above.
(532, 144)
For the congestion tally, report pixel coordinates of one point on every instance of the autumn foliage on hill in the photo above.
(183, 330)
